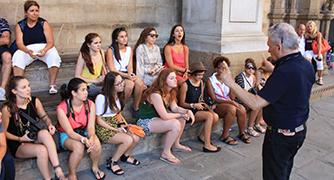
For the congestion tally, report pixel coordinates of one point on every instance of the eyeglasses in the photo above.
(154, 35)
(120, 83)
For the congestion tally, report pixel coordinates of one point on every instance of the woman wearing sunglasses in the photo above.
(246, 80)
(148, 57)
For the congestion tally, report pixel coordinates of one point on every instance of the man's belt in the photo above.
(287, 132)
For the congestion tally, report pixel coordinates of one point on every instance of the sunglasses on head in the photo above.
(154, 35)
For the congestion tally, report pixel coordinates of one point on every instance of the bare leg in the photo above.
(138, 92)
(29, 150)
(252, 117)
(46, 139)
(177, 143)
(241, 118)
(129, 85)
(208, 119)
(6, 68)
(171, 128)
(124, 140)
(95, 155)
(53, 72)
(228, 112)
(77, 151)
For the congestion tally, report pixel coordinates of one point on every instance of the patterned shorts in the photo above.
(144, 123)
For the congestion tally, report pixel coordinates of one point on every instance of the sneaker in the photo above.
(2, 94)
(260, 128)
(53, 89)
(252, 132)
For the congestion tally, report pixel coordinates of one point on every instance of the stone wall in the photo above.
(73, 19)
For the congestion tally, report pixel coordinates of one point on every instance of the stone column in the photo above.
(228, 26)
(277, 13)
(292, 14)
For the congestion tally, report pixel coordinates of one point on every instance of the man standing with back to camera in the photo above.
(284, 99)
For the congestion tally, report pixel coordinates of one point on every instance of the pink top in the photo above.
(80, 117)
(178, 60)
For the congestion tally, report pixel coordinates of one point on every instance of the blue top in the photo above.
(288, 92)
(4, 26)
(34, 34)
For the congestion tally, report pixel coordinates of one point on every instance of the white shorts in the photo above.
(51, 58)
(309, 55)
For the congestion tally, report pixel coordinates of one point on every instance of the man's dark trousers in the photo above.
(278, 152)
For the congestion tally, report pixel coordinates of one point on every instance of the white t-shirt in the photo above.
(99, 104)
(301, 45)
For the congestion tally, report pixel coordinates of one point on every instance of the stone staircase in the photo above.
(38, 77)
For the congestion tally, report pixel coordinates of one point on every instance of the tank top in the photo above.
(80, 120)
(123, 64)
(221, 90)
(97, 70)
(308, 43)
(193, 92)
(34, 34)
(14, 125)
(178, 58)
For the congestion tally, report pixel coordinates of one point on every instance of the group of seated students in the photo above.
(166, 97)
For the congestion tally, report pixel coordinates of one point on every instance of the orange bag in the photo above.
(324, 46)
(134, 129)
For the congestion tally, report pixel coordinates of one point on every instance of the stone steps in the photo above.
(27, 169)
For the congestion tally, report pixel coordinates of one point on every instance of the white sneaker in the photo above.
(2, 94)
(252, 132)
(260, 128)
(53, 89)
(320, 82)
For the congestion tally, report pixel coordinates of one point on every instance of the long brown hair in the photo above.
(85, 51)
(160, 86)
(108, 91)
(141, 40)
(10, 96)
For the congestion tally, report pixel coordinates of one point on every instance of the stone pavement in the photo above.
(315, 160)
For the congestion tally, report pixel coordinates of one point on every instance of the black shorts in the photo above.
(3, 48)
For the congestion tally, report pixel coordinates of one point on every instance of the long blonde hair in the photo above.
(314, 32)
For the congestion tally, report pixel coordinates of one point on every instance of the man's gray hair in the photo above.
(284, 34)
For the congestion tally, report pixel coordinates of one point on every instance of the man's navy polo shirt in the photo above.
(288, 92)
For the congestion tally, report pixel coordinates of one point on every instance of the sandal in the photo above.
(211, 151)
(126, 159)
(97, 174)
(111, 164)
(244, 138)
(53, 89)
(229, 140)
(183, 148)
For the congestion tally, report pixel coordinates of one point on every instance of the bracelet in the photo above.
(18, 138)
(192, 105)
(82, 140)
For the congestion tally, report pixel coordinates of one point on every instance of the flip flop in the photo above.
(184, 149)
(169, 160)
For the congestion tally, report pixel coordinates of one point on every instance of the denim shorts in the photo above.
(144, 123)
(64, 136)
